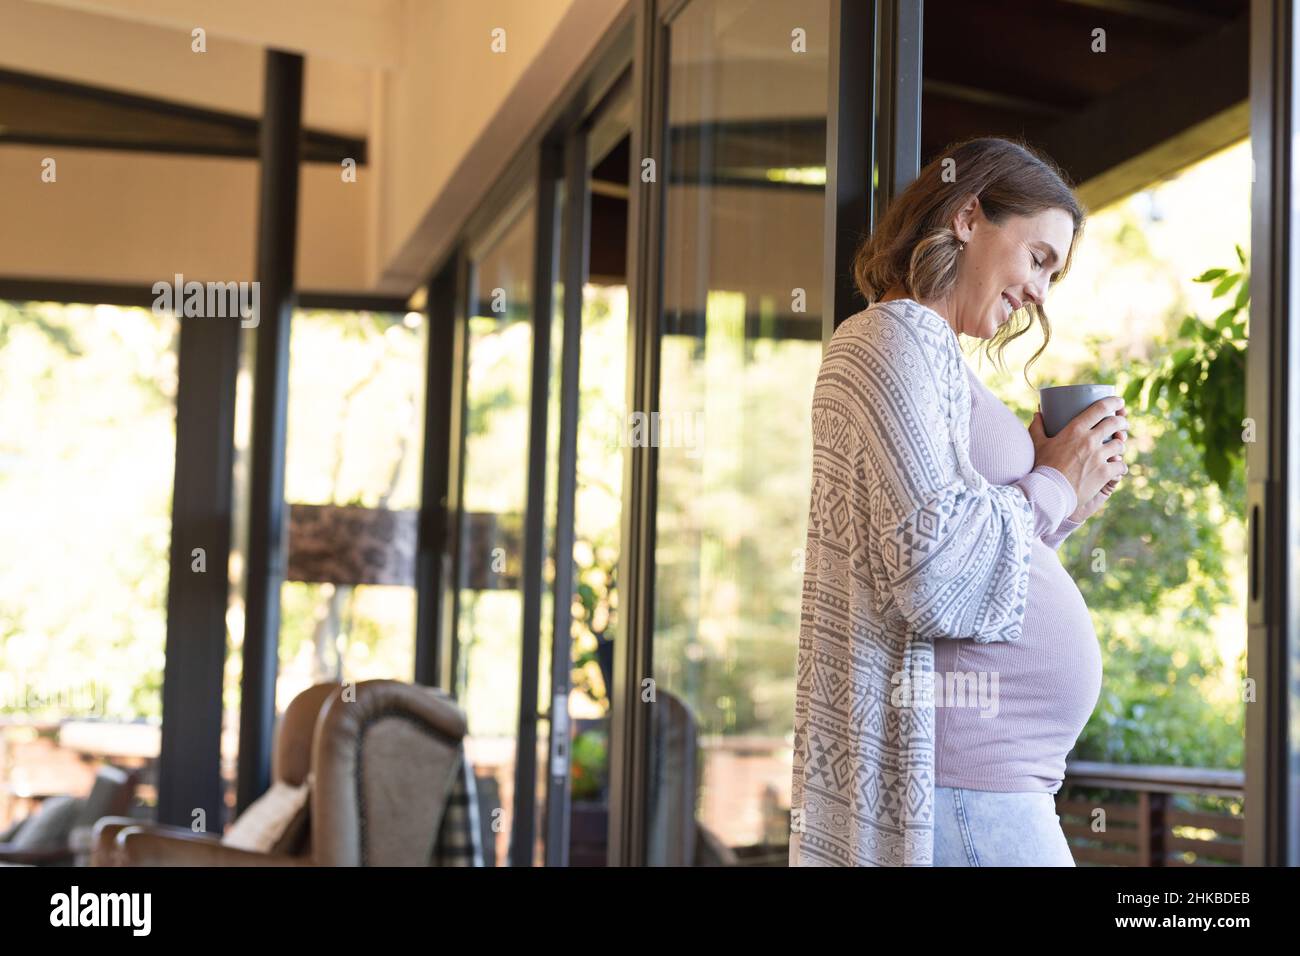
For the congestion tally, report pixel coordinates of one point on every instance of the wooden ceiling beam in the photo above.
(965, 93)
(1180, 16)
(1192, 104)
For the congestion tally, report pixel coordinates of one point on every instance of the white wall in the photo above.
(137, 218)
(443, 116)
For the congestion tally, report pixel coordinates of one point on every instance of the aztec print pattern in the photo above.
(907, 543)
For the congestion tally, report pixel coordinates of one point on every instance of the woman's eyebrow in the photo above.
(1052, 255)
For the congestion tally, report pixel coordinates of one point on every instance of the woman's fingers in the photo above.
(1111, 425)
(1099, 410)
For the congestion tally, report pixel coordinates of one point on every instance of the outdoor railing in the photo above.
(1119, 815)
(1140, 822)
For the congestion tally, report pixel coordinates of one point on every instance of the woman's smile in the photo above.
(1008, 304)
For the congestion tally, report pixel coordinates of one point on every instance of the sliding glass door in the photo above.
(739, 340)
(539, 484)
(489, 598)
(585, 475)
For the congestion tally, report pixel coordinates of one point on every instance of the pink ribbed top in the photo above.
(1007, 714)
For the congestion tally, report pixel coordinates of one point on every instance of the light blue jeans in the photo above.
(989, 828)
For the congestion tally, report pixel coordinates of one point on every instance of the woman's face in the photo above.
(1004, 266)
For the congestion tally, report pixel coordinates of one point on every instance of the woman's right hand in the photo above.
(1077, 452)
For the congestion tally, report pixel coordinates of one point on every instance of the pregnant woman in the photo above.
(947, 662)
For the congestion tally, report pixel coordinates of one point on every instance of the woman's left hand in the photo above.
(1087, 509)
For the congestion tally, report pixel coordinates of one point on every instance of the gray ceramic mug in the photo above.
(1061, 403)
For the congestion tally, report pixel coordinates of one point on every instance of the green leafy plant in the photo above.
(590, 764)
(594, 614)
(1202, 378)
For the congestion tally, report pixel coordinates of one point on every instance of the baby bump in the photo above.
(1022, 704)
(1062, 654)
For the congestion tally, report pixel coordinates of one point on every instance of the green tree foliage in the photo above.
(1202, 378)
(1171, 544)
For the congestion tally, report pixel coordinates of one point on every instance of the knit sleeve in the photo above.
(952, 550)
(1052, 496)
(1053, 539)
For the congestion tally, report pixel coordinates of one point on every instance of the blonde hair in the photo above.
(915, 247)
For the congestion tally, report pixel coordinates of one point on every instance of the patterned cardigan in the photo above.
(907, 543)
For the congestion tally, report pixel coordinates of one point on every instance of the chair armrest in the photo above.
(143, 846)
(103, 839)
(49, 855)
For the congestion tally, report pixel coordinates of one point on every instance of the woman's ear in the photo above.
(964, 220)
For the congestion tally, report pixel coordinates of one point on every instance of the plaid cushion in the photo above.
(459, 840)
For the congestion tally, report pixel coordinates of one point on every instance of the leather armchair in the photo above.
(378, 759)
(290, 764)
(385, 766)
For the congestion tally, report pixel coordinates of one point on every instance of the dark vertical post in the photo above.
(873, 133)
(431, 555)
(898, 91)
(629, 716)
(1272, 801)
(276, 247)
(189, 771)
(1143, 828)
(449, 640)
(1157, 810)
(574, 258)
(534, 557)
(850, 148)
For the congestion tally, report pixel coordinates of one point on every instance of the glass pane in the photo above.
(597, 516)
(602, 382)
(87, 446)
(236, 618)
(740, 349)
(586, 647)
(490, 626)
(551, 478)
(352, 481)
